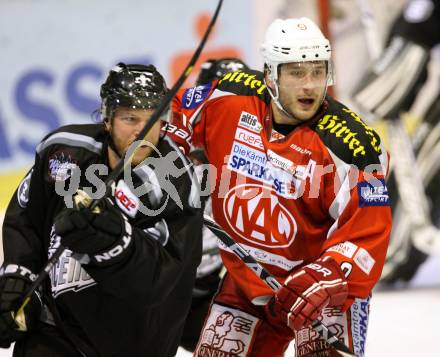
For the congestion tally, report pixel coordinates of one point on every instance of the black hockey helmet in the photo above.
(214, 69)
(135, 86)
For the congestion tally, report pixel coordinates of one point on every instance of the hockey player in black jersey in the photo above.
(123, 285)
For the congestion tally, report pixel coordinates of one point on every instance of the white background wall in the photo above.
(55, 54)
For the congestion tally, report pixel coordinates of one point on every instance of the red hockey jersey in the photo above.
(288, 200)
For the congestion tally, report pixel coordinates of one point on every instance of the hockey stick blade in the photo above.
(270, 281)
(122, 162)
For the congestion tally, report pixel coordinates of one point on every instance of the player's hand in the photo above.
(306, 292)
(180, 131)
(105, 236)
(14, 282)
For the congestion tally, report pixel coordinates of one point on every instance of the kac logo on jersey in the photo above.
(195, 95)
(254, 213)
(373, 194)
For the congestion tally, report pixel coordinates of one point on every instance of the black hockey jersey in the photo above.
(136, 307)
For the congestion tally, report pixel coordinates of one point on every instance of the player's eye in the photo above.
(319, 72)
(129, 120)
(298, 73)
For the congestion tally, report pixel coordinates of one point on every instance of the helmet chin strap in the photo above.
(276, 99)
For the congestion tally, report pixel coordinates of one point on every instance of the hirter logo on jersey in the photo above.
(254, 213)
(195, 95)
(126, 200)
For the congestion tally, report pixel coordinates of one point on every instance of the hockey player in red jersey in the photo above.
(299, 181)
(210, 270)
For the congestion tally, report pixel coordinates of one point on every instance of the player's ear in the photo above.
(268, 81)
(107, 124)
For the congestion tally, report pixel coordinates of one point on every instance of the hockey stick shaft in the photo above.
(270, 280)
(163, 105)
(110, 180)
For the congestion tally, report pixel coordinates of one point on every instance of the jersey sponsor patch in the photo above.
(255, 214)
(61, 164)
(281, 162)
(23, 190)
(127, 201)
(195, 95)
(364, 261)
(254, 164)
(359, 324)
(227, 332)
(250, 122)
(249, 138)
(239, 81)
(347, 136)
(373, 193)
(369, 131)
(347, 249)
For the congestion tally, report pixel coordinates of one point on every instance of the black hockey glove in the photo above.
(14, 282)
(104, 237)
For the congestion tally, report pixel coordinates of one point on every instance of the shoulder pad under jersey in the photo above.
(84, 136)
(69, 147)
(347, 136)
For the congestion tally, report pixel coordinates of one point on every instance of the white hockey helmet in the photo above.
(295, 40)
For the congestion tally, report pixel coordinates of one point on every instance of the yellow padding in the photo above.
(9, 182)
